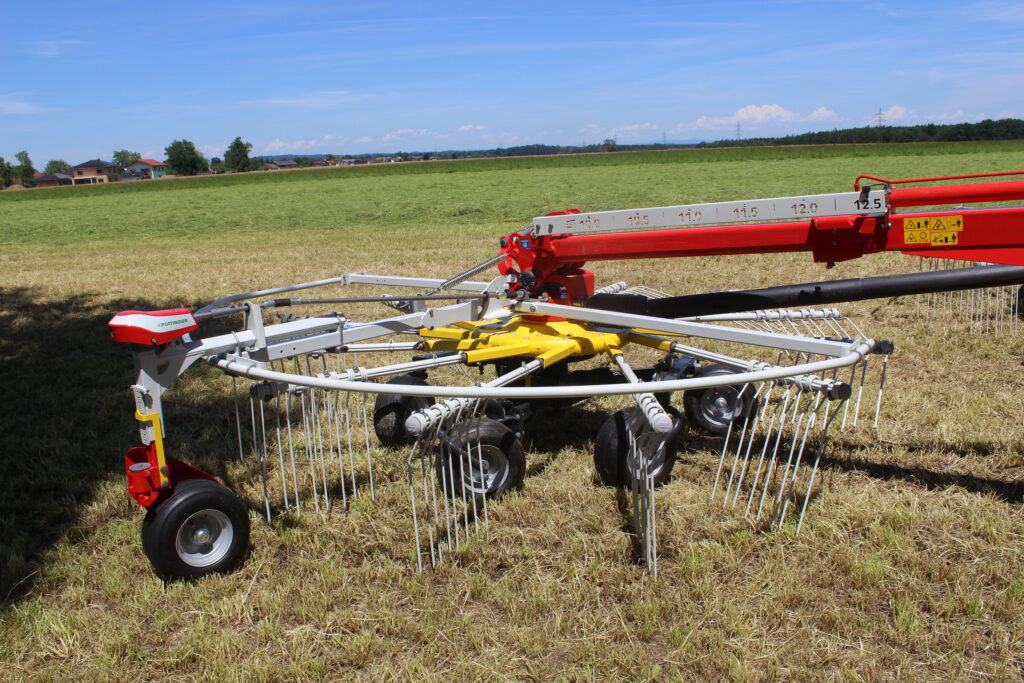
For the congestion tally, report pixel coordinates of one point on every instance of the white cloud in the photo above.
(210, 151)
(365, 139)
(596, 132)
(17, 107)
(276, 145)
(321, 98)
(404, 133)
(314, 145)
(755, 115)
(469, 128)
(822, 114)
(899, 113)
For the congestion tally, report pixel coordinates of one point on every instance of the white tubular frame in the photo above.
(799, 208)
(242, 367)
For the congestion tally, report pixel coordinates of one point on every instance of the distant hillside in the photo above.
(1003, 129)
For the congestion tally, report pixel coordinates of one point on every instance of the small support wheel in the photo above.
(612, 450)
(712, 410)
(201, 528)
(390, 412)
(481, 457)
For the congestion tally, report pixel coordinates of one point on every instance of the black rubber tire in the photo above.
(500, 449)
(700, 404)
(611, 450)
(391, 411)
(1018, 306)
(204, 506)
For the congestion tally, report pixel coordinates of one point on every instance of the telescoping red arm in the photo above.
(553, 262)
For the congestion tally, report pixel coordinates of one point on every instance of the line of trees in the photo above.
(1002, 129)
(24, 172)
(184, 159)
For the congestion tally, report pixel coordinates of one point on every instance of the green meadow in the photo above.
(908, 566)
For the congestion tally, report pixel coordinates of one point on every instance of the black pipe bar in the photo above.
(812, 294)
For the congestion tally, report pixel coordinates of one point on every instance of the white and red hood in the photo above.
(152, 327)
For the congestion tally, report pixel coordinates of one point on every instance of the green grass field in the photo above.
(908, 566)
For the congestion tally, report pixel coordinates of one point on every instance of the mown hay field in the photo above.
(909, 564)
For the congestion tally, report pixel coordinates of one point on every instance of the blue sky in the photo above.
(83, 79)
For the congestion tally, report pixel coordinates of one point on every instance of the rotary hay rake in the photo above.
(769, 371)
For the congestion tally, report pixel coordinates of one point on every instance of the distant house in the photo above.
(53, 179)
(95, 171)
(281, 163)
(150, 167)
(129, 176)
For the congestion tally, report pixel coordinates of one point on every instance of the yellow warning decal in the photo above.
(916, 236)
(944, 238)
(933, 230)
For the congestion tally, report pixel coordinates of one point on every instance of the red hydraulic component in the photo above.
(150, 472)
(527, 256)
(143, 472)
(152, 328)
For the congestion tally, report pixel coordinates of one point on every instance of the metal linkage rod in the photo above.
(656, 416)
(426, 419)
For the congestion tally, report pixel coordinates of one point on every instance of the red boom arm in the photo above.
(552, 264)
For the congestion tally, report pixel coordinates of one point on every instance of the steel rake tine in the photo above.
(463, 462)
(430, 498)
(448, 501)
(775, 452)
(650, 537)
(334, 430)
(846, 404)
(827, 423)
(328, 417)
(238, 418)
(787, 488)
(263, 462)
(750, 439)
(789, 459)
(881, 388)
(860, 388)
(280, 449)
(348, 433)
(746, 437)
(366, 437)
(252, 424)
(369, 450)
(721, 461)
(634, 483)
(413, 502)
(739, 447)
(480, 465)
(307, 430)
(780, 409)
(291, 451)
(318, 442)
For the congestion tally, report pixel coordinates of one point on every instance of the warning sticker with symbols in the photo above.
(933, 230)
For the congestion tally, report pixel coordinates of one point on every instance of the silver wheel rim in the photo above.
(204, 539)
(720, 405)
(654, 464)
(494, 468)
